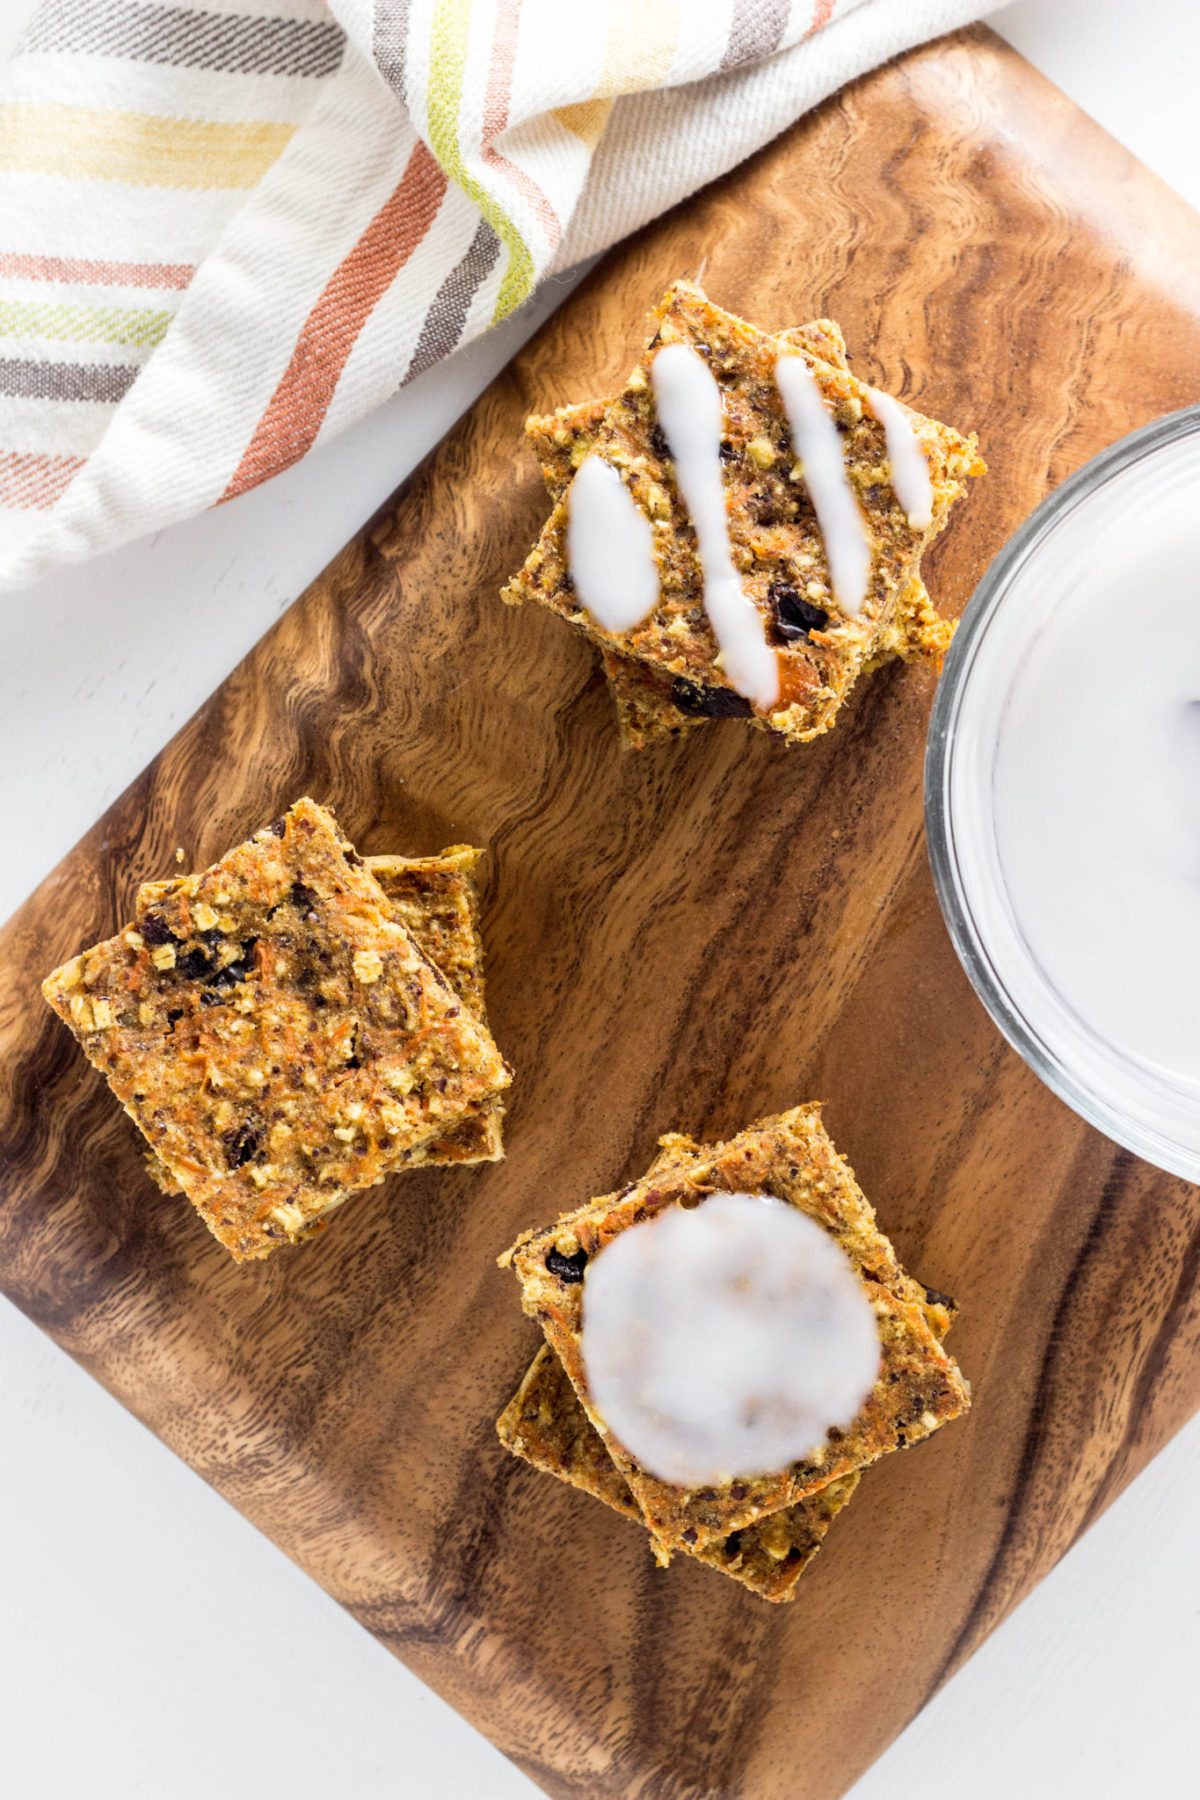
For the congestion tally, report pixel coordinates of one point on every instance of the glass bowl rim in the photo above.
(968, 940)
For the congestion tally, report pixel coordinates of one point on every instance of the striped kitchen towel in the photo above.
(229, 228)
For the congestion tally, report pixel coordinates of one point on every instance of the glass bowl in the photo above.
(1140, 1102)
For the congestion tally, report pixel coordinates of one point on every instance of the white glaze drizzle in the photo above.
(910, 468)
(727, 1339)
(610, 548)
(818, 445)
(691, 418)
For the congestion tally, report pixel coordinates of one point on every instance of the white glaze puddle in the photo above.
(691, 416)
(910, 470)
(1096, 780)
(610, 548)
(818, 444)
(726, 1340)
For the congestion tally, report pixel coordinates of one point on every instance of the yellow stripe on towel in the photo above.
(142, 149)
(138, 325)
(639, 47)
(585, 120)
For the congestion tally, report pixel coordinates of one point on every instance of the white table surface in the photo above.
(127, 1588)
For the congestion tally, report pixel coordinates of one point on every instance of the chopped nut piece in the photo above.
(368, 966)
(774, 1535)
(163, 957)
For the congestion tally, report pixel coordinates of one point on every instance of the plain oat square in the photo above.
(435, 899)
(276, 1033)
(791, 1157)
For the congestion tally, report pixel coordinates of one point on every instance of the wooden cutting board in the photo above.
(680, 940)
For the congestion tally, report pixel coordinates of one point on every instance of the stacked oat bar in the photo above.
(667, 671)
(294, 1024)
(763, 1529)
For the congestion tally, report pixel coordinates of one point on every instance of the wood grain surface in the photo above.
(679, 940)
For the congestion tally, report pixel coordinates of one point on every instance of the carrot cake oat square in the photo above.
(651, 706)
(545, 1424)
(435, 899)
(776, 545)
(791, 1158)
(276, 1033)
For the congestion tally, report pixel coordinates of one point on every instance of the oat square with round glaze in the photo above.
(546, 1425)
(790, 1158)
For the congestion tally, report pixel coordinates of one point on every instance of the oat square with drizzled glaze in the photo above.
(775, 540)
(652, 705)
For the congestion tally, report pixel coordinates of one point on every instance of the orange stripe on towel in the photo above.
(495, 118)
(83, 271)
(289, 426)
(35, 481)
